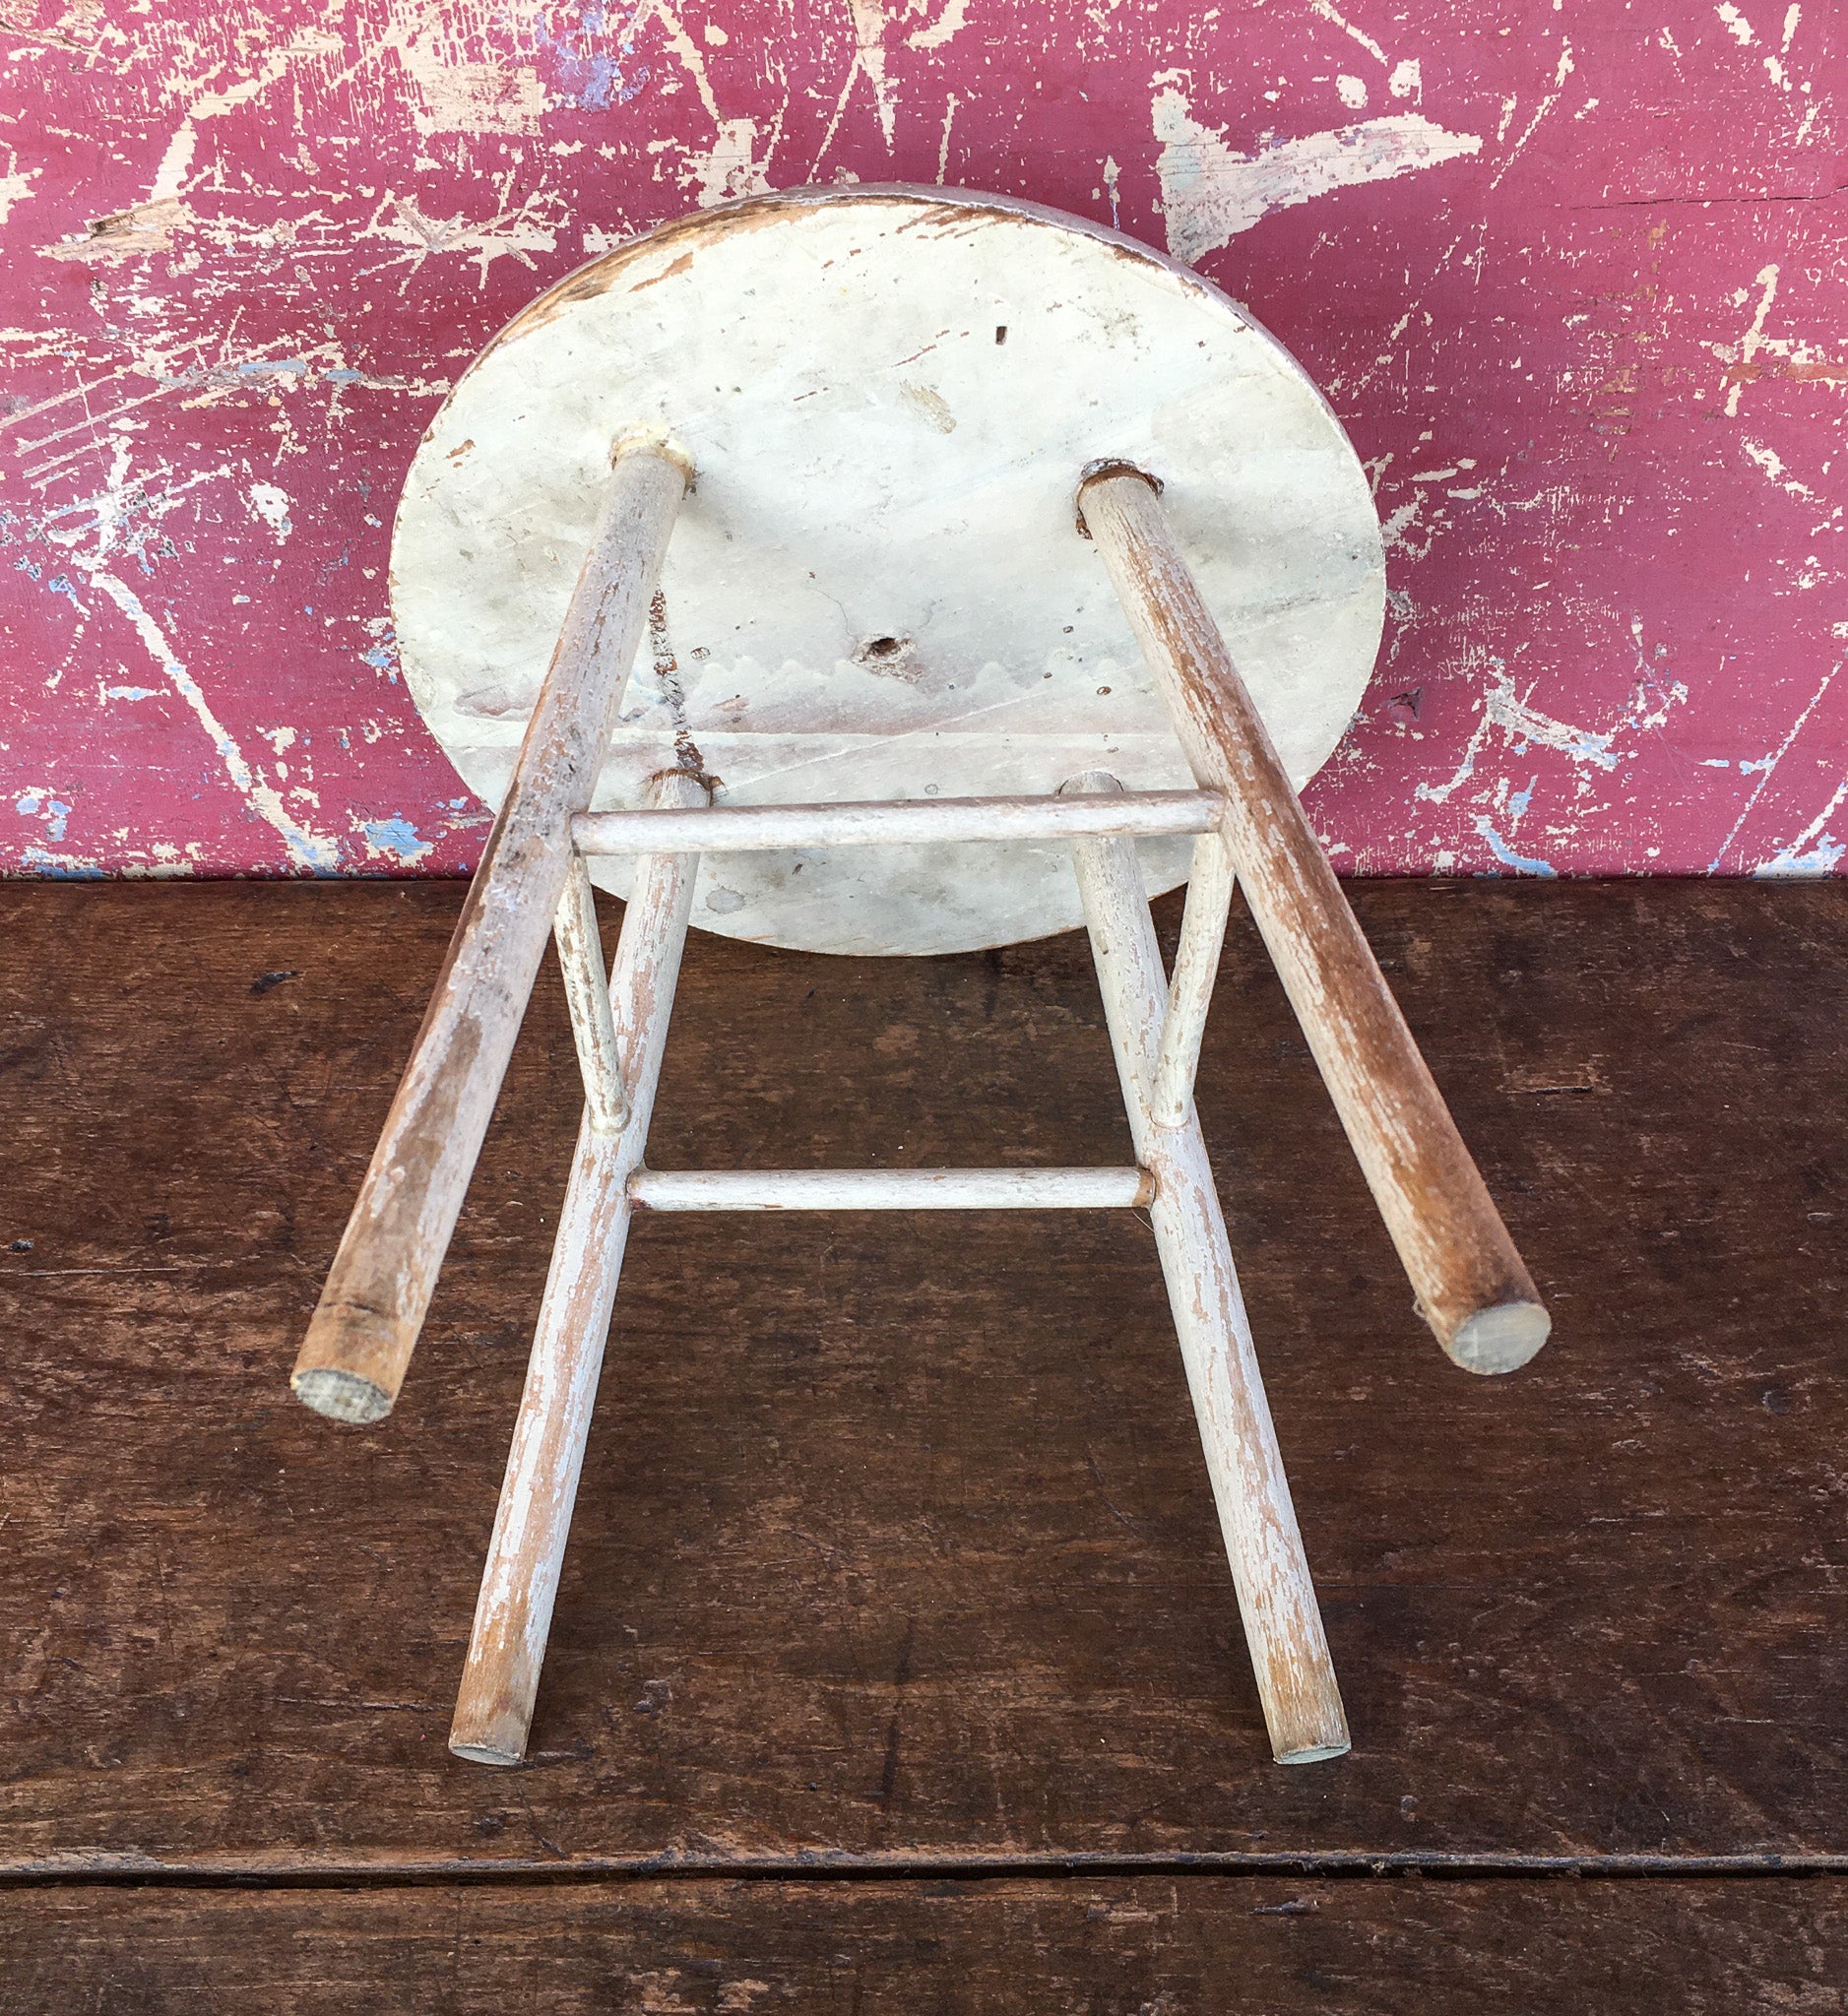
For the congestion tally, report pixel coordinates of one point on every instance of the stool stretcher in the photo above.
(894, 822)
(891, 1189)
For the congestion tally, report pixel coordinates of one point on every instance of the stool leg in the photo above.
(365, 1326)
(525, 1556)
(1283, 1625)
(1472, 1285)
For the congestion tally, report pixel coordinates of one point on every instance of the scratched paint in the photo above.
(1570, 275)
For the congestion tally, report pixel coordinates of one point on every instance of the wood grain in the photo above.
(1155, 1946)
(894, 1536)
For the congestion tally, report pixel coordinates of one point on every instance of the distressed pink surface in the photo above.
(1587, 328)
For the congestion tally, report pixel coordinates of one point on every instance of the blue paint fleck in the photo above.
(396, 836)
(1820, 860)
(1518, 801)
(593, 79)
(1506, 855)
(56, 870)
(28, 804)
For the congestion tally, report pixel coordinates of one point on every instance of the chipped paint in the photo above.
(1585, 263)
(1210, 193)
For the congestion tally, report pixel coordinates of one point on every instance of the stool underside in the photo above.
(876, 589)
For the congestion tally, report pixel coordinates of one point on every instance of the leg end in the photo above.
(340, 1396)
(1501, 1339)
(484, 1752)
(1313, 1753)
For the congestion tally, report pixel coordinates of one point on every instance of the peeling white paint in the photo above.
(947, 25)
(451, 93)
(271, 504)
(1773, 464)
(1210, 193)
(534, 227)
(728, 168)
(16, 184)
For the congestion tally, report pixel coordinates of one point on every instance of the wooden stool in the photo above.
(963, 493)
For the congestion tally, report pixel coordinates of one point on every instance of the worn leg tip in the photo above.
(1501, 1339)
(340, 1396)
(478, 1751)
(1313, 1753)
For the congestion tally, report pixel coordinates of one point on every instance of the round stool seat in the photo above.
(876, 587)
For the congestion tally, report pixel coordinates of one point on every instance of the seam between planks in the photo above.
(140, 1871)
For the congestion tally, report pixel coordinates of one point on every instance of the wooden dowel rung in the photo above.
(894, 822)
(1190, 993)
(1096, 1189)
(580, 945)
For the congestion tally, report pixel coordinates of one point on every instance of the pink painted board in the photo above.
(1574, 276)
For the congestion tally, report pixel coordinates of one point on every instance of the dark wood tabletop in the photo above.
(896, 1666)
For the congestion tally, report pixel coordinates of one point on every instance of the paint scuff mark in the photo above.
(1347, 28)
(516, 234)
(1210, 193)
(1522, 864)
(1815, 850)
(307, 849)
(132, 233)
(1767, 767)
(1523, 727)
(1561, 72)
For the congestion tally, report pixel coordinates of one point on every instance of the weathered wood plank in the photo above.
(894, 1533)
(1159, 1946)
